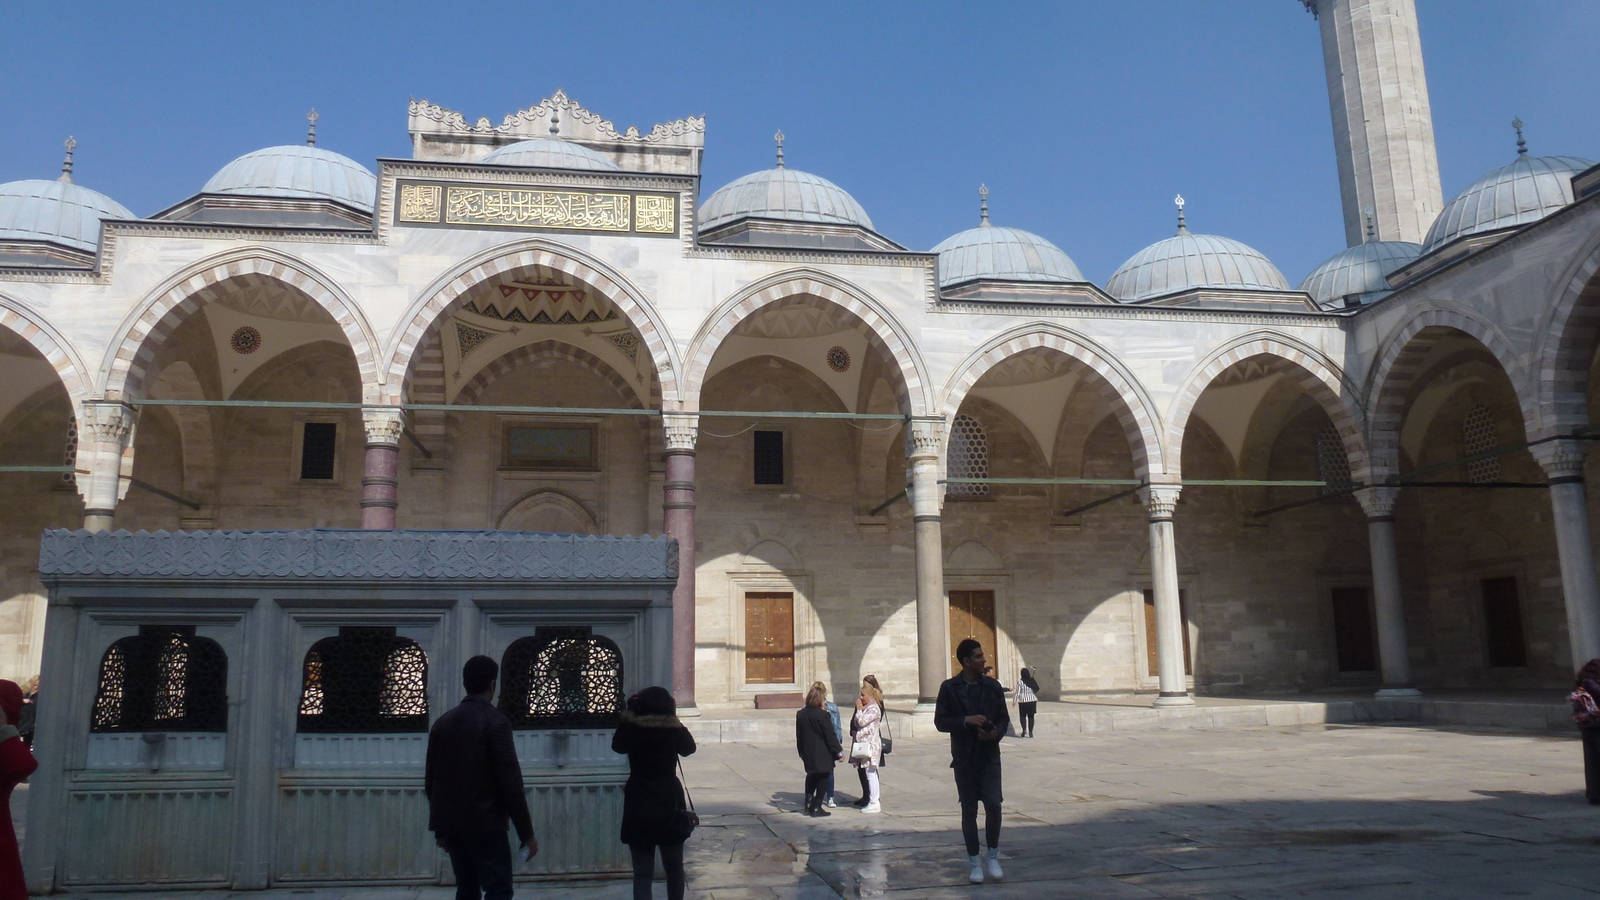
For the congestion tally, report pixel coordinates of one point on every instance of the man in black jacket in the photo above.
(972, 710)
(474, 787)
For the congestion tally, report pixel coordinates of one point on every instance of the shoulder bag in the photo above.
(887, 739)
(686, 820)
(1585, 712)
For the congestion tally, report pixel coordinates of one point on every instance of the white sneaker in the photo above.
(976, 875)
(872, 808)
(993, 861)
(830, 804)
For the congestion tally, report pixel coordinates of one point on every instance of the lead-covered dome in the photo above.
(1523, 192)
(549, 153)
(1187, 262)
(1361, 271)
(788, 195)
(56, 212)
(1003, 254)
(296, 172)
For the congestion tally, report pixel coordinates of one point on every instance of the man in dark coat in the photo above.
(972, 710)
(474, 788)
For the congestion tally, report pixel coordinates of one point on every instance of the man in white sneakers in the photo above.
(972, 710)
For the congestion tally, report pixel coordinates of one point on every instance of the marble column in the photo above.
(1563, 463)
(924, 447)
(1162, 500)
(380, 477)
(104, 437)
(1394, 654)
(678, 506)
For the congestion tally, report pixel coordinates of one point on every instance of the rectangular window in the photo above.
(319, 445)
(769, 457)
(1352, 630)
(1502, 623)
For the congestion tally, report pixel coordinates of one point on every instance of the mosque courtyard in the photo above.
(1311, 811)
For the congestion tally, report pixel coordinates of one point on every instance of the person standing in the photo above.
(818, 746)
(474, 788)
(653, 799)
(972, 709)
(869, 713)
(866, 789)
(838, 731)
(1588, 682)
(1027, 702)
(16, 764)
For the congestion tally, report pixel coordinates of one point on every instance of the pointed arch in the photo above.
(125, 372)
(1565, 343)
(449, 291)
(1319, 376)
(51, 344)
(913, 387)
(548, 502)
(552, 349)
(1133, 406)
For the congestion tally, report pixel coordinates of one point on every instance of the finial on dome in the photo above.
(311, 133)
(779, 138)
(1372, 229)
(1182, 228)
(555, 122)
(983, 205)
(66, 163)
(1522, 145)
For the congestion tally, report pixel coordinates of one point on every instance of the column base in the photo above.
(1167, 701)
(688, 712)
(1397, 693)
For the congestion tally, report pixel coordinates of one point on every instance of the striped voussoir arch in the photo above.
(453, 295)
(1568, 349)
(553, 349)
(1401, 364)
(1132, 409)
(55, 352)
(1318, 377)
(909, 385)
(131, 366)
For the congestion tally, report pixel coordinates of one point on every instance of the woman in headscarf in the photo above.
(1027, 702)
(1588, 682)
(653, 799)
(16, 764)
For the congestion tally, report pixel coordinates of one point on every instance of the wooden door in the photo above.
(1153, 661)
(1352, 630)
(1502, 623)
(972, 616)
(769, 637)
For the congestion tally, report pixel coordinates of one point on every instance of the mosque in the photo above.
(1195, 478)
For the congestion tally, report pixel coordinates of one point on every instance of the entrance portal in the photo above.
(972, 616)
(769, 637)
(1153, 661)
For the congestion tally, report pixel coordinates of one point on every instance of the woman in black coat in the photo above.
(1588, 681)
(819, 748)
(653, 799)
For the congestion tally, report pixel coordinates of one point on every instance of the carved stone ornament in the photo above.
(357, 555)
(681, 430)
(384, 425)
(577, 123)
(925, 438)
(1378, 502)
(1561, 459)
(1162, 500)
(106, 422)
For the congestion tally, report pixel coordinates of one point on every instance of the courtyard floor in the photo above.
(1323, 811)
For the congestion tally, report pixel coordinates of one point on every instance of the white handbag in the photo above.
(860, 750)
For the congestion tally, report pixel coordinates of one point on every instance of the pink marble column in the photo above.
(380, 476)
(678, 520)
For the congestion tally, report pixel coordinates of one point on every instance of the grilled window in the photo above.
(162, 679)
(967, 457)
(1478, 436)
(769, 457)
(319, 445)
(565, 677)
(365, 679)
(1333, 463)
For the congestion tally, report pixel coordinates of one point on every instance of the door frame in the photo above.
(805, 630)
(1007, 658)
(1188, 584)
(1327, 582)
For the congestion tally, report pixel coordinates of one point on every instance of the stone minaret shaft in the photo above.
(1382, 125)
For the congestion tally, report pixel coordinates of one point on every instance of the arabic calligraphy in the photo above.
(522, 208)
(655, 215)
(420, 202)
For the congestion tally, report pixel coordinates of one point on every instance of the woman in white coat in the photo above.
(867, 746)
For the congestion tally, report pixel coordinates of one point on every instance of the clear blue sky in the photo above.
(1084, 118)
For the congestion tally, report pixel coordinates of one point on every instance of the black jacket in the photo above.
(473, 781)
(816, 740)
(952, 709)
(653, 796)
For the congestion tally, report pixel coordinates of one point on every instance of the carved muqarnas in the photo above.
(366, 679)
(162, 679)
(562, 678)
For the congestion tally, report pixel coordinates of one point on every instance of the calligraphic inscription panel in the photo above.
(554, 209)
(420, 202)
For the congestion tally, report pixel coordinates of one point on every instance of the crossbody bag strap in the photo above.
(683, 781)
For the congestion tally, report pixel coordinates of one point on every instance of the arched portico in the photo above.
(1566, 339)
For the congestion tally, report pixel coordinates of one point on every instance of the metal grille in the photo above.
(1333, 463)
(319, 446)
(769, 457)
(564, 677)
(967, 457)
(365, 679)
(69, 479)
(1478, 436)
(163, 679)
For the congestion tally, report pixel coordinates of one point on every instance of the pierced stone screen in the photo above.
(163, 679)
(562, 678)
(365, 679)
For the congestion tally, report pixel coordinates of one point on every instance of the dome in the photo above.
(787, 194)
(58, 212)
(1362, 269)
(1004, 254)
(1188, 261)
(297, 173)
(547, 153)
(1523, 192)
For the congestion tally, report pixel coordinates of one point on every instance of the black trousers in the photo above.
(1025, 712)
(482, 863)
(644, 869)
(816, 784)
(1591, 764)
(979, 782)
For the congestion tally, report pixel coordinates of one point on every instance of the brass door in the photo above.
(1153, 661)
(972, 616)
(769, 637)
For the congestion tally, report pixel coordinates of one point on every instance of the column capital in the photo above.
(383, 425)
(925, 439)
(681, 430)
(107, 421)
(1161, 499)
(1378, 502)
(1562, 460)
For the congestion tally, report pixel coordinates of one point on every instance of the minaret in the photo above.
(1382, 125)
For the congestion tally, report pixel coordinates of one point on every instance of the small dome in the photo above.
(1523, 192)
(1003, 254)
(787, 194)
(1188, 261)
(547, 153)
(57, 212)
(1362, 269)
(297, 172)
